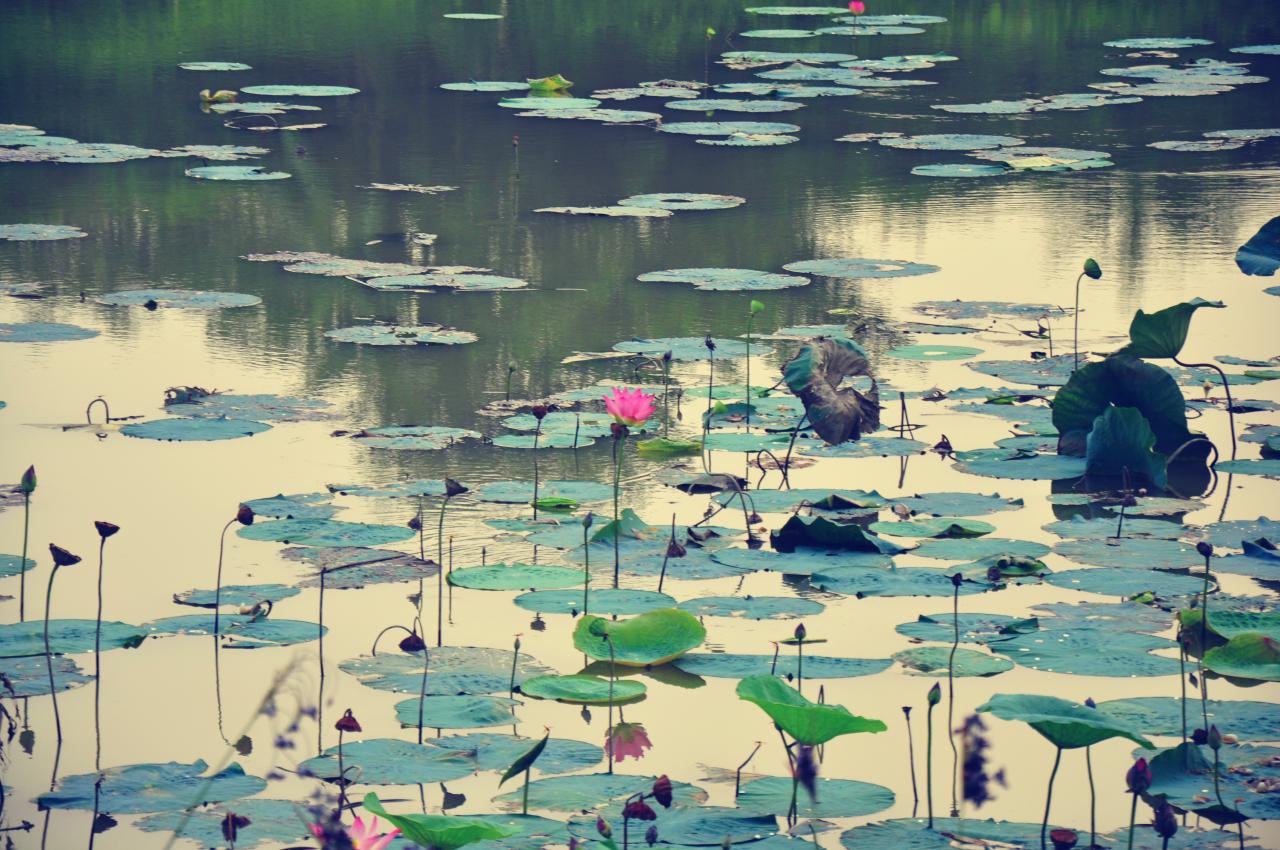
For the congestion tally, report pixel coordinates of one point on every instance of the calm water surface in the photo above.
(1163, 225)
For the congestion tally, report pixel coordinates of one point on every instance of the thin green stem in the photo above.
(1093, 799)
(217, 591)
(611, 674)
(928, 764)
(586, 567)
(1044, 825)
(48, 653)
(524, 798)
(422, 691)
(97, 663)
(619, 448)
(1075, 315)
(537, 435)
(1133, 816)
(1226, 388)
(22, 576)
(440, 573)
(911, 758)
(747, 399)
(951, 697)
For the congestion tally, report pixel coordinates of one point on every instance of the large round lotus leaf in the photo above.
(858, 268)
(456, 711)
(413, 437)
(1269, 467)
(695, 826)
(239, 595)
(1104, 528)
(528, 832)
(258, 408)
(728, 128)
(236, 172)
(950, 142)
(1111, 616)
(1065, 724)
(43, 332)
(299, 91)
(440, 281)
(486, 86)
(946, 834)
(521, 492)
(1183, 776)
(1246, 719)
(494, 751)
(553, 440)
(844, 77)
(1126, 581)
(12, 565)
(240, 631)
(190, 299)
(515, 577)
(269, 821)
(731, 280)
(1250, 656)
(325, 532)
(974, 628)
(1156, 43)
(390, 761)
(1085, 652)
(933, 352)
(1046, 372)
(160, 787)
(472, 16)
(1233, 533)
(311, 262)
(937, 661)
(714, 104)
(549, 103)
(1230, 624)
(183, 428)
(896, 581)
(753, 607)
(644, 640)
(1131, 552)
(450, 670)
(29, 676)
(264, 107)
(958, 503)
(604, 601)
(836, 798)
(401, 335)
(697, 565)
(582, 690)
(868, 447)
(933, 527)
(39, 232)
(299, 506)
(66, 637)
(677, 201)
(732, 666)
(562, 422)
(976, 548)
(592, 791)
(1019, 465)
(807, 722)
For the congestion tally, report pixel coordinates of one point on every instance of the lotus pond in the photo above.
(943, 513)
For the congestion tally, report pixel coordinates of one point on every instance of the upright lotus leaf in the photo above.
(1251, 656)
(526, 760)
(1164, 332)
(648, 639)
(1183, 777)
(822, 533)
(1122, 440)
(1065, 724)
(1120, 381)
(807, 722)
(439, 832)
(815, 374)
(1261, 254)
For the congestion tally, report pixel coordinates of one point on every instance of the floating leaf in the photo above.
(973, 549)
(719, 104)
(933, 352)
(302, 506)
(677, 201)
(39, 232)
(817, 373)
(269, 821)
(521, 492)
(736, 666)
(1247, 720)
(730, 280)
(493, 751)
(240, 630)
(440, 832)
(939, 527)
(1157, 43)
(160, 787)
(236, 172)
(300, 91)
(645, 640)
(549, 103)
(238, 595)
(974, 628)
(451, 670)
(753, 607)
(187, 299)
(805, 721)
(390, 761)
(456, 711)
(593, 791)
(950, 142)
(1261, 254)
(43, 332)
(29, 676)
(515, 577)
(1127, 582)
(412, 437)
(728, 128)
(607, 600)
(472, 16)
(583, 690)
(1249, 656)
(401, 335)
(215, 66)
(801, 561)
(66, 637)
(959, 169)
(937, 661)
(1019, 465)
(690, 348)
(958, 503)
(262, 407)
(486, 86)
(325, 532)
(945, 834)
(1131, 552)
(896, 581)
(1084, 652)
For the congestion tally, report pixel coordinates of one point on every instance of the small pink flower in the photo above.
(366, 837)
(857, 7)
(629, 407)
(627, 739)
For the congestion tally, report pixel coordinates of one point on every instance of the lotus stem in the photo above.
(524, 797)
(1075, 337)
(800, 666)
(1226, 388)
(928, 764)
(951, 695)
(515, 661)
(97, 663)
(786, 460)
(737, 776)
(619, 449)
(1133, 816)
(1093, 799)
(217, 591)
(422, 691)
(609, 643)
(537, 434)
(440, 573)
(666, 413)
(106, 409)
(48, 654)
(1182, 679)
(911, 759)
(22, 575)
(1204, 645)
(747, 399)
(586, 566)
(1044, 825)
(666, 556)
(342, 776)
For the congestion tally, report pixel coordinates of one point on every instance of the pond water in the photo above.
(1164, 225)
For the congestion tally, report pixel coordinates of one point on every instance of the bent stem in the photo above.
(911, 759)
(217, 591)
(48, 654)
(1226, 388)
(1044, 825)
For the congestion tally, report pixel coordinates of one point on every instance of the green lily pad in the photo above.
(443, 282)
(401, 335)
(645, 640)
(1250, 656)
(549, 103)
(257, 408)
(606, 600)
(958, 504)
(802, 561)
(43, 332)
(12, 565)
(390, 761)
(1234, 533)
(1268, 467)
(934, 527)
(325, 532)
(945, 834)
(487, 86)
(187, 299)
(1183, 777)
(690, 348)
(1247, 720)
(1104, 528)
(583, 690)
(300, 91)
(236, 172)
(867, 447)
(860, 268)
(896, 581)
(240, 630)
(1258, 49)
(950, 142)
(472, 16)
(160, 787)
(521, 492)
(820, 532)
(442, 832)
(1131, 553)
(515, 577)
(413, 437)
(451, 670)
(1045, 372)
(1083, 652)
(269, 821)
(29, 676)
(732, 280)
(565, 423)
(1126, 581)
(722, 104)
(494, 751)
(835, 798)
(753, 607)
(1065, 724)
(1019, 465)
(1156, 43)
(456, 711)
(807, 722)
(974, 628)
(778, 33)
(238, 595)
(976, 548)
(215, 66)
(728, 128)
(39, 232)
(678, 201)
(593, 791)
(723, 665)
(959, 169)
(933, 352)
(936, 661)
(66, 637)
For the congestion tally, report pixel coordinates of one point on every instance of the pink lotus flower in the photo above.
(629, 407)
(627, 739)
(857, 7)
(363, 836)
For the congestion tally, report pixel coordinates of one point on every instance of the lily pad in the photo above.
(28, 676)
(269, 821)
(835, 798)
(583, 690)
(678, 201)
(444, 281)
(1065, 724)
(976, 548)
(950, 142)
(1268, 467)
(1183, 776)
(1247, 720)
(720, 279)
(300, 91)
(945, 834)
(261, 407)
(607, 600)
(43, 332)
(472, 16)
(1251, 656)
(215, 66)
(936, 661)
(239, 595)
(753, 607)
(240, 630)
(451, 670)
(934, 527)
(736, 666)
(860, 268)
(412, 437)
(617, 211)
(1127, 582)
(454, 711)
(1261, 254)
(728, 128)
(959, 169)
(802, 561)
(1157, 43)
(390, 761)
(1046, 372)
(690, 348)
(542, 103)
(721, 104)
(401, 335)
(160, 787)
(593, 791)
(236, 172)
(487, 86)
(39, 232)
(302, 506)
(66, 637)
(974, 628)
(186, 299)
(895, 581)
(521, 492)
(493, 751)
(645, 640)
(1020, 465)
(1130, 553)
(12, 565)
(515, 577)
(325, 532)
(958, 504)
(1084, 652)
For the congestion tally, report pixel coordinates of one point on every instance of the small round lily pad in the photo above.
(215, 66)
(583, 689)
(187, 299)
(39, 232)
(236, 172)
(936, 661)
(384, 335)
(43, 332)
(516, 577)
(300, 91)
(202, 429)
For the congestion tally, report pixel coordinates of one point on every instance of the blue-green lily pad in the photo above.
(860, 268)
(549, 103)
(301, 506)
(1019, 465)
(945, 834)
(516, 577)
(39, 232)
(778, 33)
(192, 428)
(677, 201)
(487, 86)
(393, 490)
(472, 16)
(456, 711)
(160, 787)
(325, 532)
(816, 498)
(412, 437)
(976, 548)
(868, 447)
(721, 104)
(1103, 528)
(565, 423)
(66, 637)
(443, 282)
(1233, 533)
(12, 565)
(269, 821)
(583, 689)
(1046, 372)
(215, 66)
(607, 600)
(835, 798)
(1084, 652)
(1130, 553)
(1246, 719)
(236, 172)
(696, 826)
(451, 670)
(896, 581)
(239, 595)
(959, 169)
(29, 676)
(974, 628)
(728, 128)
(751, 140)
(240, 630)
(1258, 49)
(258, 408)
(933, 352)
(493, 751)
(725, 280)
(401, 335)
(753, 607)
(553, 440)
(936, 661)
(186, 299)
(802, 561)
(690, 348)
(1126, 581)
(592, 791)
(1268, 467)
(390, 761)
(950, 142)
(933, 527)
(43, 332)
(958, 503)
(737, 666)
(300, 91)
(1157, 43)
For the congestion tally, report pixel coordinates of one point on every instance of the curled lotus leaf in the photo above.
(583, 689)
(383, 335)
(43, 332)
(1065, 724)
(817, 375)
(160, 787)
(188, 299)
(818, 532)
(645, 640)
(193, 428)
